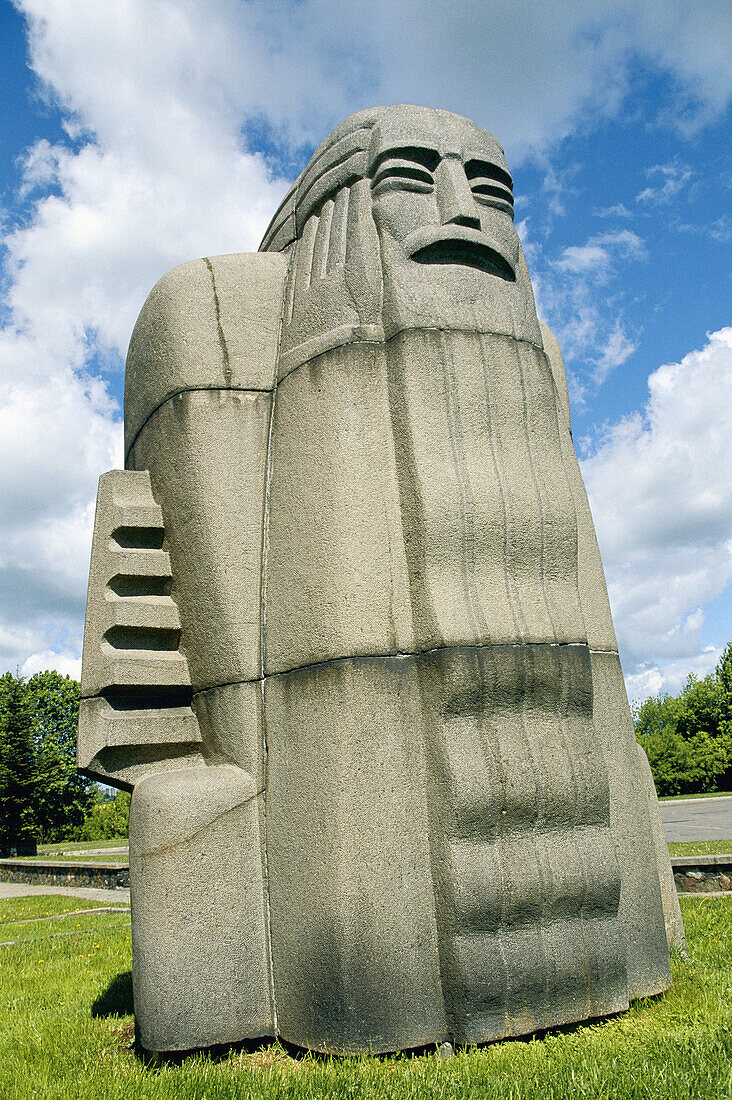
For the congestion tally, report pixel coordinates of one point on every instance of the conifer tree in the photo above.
(18, 780)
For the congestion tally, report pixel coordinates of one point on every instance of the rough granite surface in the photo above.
(348, 637)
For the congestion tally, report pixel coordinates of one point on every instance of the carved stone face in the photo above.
(442, 202)
(402, 220)
(443, 192)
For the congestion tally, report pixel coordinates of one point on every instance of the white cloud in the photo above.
(616, 351)
(661, 496)
(669, 678)
(673, 178)
(65, 663)
(57, 433)
(525, 67)
(719, 230)
(600, 253)
(619, 210)
(160, 101)
(572, 295)
(162, 178)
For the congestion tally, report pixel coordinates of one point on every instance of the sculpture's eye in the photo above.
(403, 175)
(491, 186)
(408, 169)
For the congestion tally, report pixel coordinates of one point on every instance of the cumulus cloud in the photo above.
(670, 677)
(661, 496)
(165, 106)
(65, 663)
(57, 432)
(106, 219)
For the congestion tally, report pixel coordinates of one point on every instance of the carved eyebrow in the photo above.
(402, 169)
(482, 168)
(428, 158)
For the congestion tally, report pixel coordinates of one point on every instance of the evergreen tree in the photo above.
(64, 796)
(18, 776)
(724, 679)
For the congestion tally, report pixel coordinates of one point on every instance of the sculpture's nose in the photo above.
(454, 198)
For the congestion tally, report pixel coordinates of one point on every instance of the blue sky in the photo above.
(141, 133)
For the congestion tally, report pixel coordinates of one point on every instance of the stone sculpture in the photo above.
(348, 637)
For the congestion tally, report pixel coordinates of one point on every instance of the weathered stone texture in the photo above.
(353, 646)
(208, 324)
(197, 893)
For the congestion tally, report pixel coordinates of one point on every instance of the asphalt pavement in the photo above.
(697, 818)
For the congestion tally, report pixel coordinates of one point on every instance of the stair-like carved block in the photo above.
(135, 715)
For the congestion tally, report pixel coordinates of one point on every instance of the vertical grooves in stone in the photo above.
(519, 357)
(411, 505)
(322, 240)
(462, 477)
(337, 237)
(533, 751)
(304, 260)
(513, 723)
(514, 600)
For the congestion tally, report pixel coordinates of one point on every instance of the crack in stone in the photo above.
(186, 838)
(222, 338)
(395, 656)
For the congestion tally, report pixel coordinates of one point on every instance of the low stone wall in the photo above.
(43, 872)
(692, 874)
(702, 874)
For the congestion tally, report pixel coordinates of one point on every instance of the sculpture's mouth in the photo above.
(458, 244)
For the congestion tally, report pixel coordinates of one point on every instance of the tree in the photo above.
(667, 752)
(108, 817)
(18, 774)
(64, 796)
(724, 680)
(688, 738)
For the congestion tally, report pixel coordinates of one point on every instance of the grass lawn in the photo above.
(67, 857)
(69, 847)
(67, 1031)
(700, 847)
(84, 851)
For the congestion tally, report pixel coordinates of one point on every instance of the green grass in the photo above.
(44, 905)
(76, 925)
(67, 1033)
(68, 847)
(709, 794)
(700, 847)
(83, 851)
(95, 857)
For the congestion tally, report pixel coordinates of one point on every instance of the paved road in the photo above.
(697, 818)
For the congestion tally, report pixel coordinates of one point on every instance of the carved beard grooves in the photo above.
(423, 616)
(432, 517)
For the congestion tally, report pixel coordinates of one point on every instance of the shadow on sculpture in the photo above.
(348, 637)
